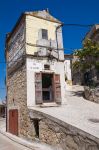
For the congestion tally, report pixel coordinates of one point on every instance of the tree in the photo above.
(88, 58)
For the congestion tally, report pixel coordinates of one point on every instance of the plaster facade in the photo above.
(55, 67)
(68, 71)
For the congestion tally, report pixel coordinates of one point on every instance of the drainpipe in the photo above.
(57, 38)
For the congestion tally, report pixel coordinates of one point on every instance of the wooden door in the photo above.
(38, 88)
(57, 88)
(13, 121)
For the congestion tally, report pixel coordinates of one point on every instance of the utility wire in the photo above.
(76, 25)
(64, 24)
(79, 25)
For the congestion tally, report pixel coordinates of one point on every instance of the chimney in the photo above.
(47, 10)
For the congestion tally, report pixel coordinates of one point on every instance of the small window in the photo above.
(47, 67)
(44, 34)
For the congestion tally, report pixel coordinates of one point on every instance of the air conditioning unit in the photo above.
(42, 51)
(43, 46)
(43, 42)
(54, 53)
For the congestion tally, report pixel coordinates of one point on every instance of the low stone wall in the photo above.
(91, 94)
(63, 135)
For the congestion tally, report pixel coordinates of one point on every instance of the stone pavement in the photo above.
(77, 112)
(7, 144)
(2, 124)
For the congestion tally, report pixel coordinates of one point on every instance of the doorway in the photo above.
(47, 87)
(13, 121)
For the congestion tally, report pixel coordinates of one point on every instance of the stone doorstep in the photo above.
(49, 105)
(45, 105)
(36, 145)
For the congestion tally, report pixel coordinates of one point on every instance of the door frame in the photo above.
(53, 99)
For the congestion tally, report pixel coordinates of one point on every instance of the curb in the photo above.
(18, 140)
(36, 145)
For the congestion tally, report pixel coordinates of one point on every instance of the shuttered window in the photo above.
(57, 88)
(44, 34)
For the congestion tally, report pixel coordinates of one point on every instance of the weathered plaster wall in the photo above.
(34, 65)
(63, 135)
(17, 99)
(33, 25)
(67, 68)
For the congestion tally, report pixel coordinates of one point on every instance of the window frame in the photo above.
(44, 34)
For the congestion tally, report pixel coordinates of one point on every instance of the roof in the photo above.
(2, 103)
(44, 14)
(92, 31)
(68, 56)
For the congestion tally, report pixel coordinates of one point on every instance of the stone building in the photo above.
(35, 70)
(2, 108)
(93, 34)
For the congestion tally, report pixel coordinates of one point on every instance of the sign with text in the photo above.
(34, 66)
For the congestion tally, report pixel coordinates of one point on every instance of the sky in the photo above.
(68, 11)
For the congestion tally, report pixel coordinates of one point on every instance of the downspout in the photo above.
(57, 38)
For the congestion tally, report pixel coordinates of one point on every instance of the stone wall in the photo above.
(63, 135)
(91, 94)
(51, 130)
(17, 99)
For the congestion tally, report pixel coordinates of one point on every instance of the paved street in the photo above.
(12, 142)
(77, 111)
(7, 144)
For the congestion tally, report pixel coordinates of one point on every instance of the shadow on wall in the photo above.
(78, 93)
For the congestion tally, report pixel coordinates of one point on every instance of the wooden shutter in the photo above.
(38, 88)
(57, 88)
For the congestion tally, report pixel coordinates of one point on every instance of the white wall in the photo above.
(33, 25)
(37, 66)
(67, 67)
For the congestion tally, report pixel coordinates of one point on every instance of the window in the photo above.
(47, 67)
(44, 34)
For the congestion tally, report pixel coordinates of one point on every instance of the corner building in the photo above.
(35, 70)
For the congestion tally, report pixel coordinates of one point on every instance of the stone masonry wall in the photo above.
(64, 136)
(91, 94)
(17, 99)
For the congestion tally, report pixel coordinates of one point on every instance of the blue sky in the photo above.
(68, 11)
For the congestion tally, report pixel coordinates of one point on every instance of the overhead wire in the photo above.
(76, 25)
(79, 25)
